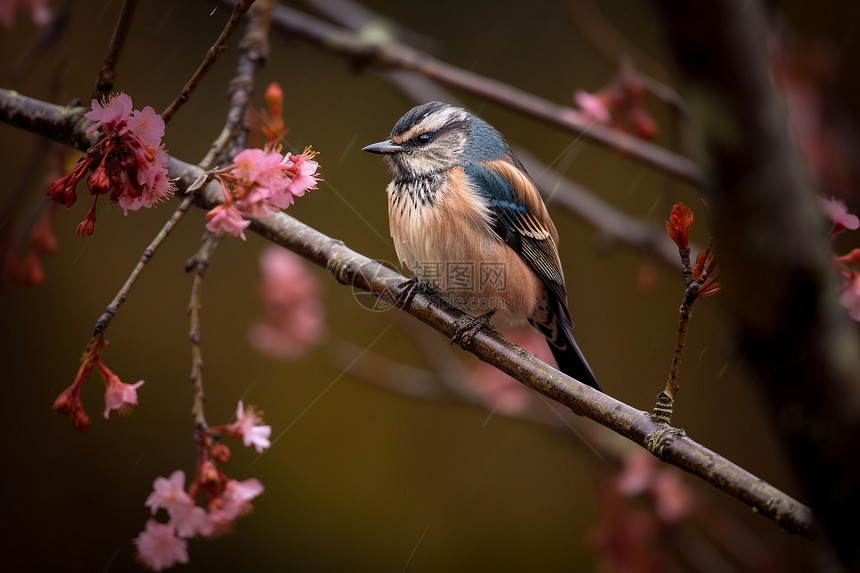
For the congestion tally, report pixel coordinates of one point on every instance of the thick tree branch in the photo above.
(351, 268)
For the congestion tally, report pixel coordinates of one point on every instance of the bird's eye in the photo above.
(423, 139)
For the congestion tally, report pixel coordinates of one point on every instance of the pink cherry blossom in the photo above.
(112, 112)
(233, 503)
(169, 493)
(637, 474)
(39, 11)
(673, 499)
(294, 317)
(260, 182)
(642, 473)
(118, 396)
(259, 167)
(302, 170)
(146, 125)
(188, 519)
(227, 218)
(595, 105)
(245, 490)
(159, 548)
(497, 390)
(249, 429)
(238, 494)
(850, 297)
(129, 164)
(838, 213)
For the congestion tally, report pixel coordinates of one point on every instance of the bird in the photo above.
(470, 224)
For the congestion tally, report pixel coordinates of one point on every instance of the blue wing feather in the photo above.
(518, 227)
(523, 232)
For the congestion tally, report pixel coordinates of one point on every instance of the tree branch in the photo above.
(212, 55)
(107, 71)
(351, 268)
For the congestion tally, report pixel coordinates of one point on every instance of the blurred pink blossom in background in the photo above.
(293, 318)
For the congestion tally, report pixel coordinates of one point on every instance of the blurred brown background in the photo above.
(365, 479)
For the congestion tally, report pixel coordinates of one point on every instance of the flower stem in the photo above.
(113, 307)
(662, 412)
(198, 263)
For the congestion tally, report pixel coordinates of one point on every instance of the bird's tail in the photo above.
(571, 361)
(557, 329)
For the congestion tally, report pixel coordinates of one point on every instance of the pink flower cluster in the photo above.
(128, 164)
(260, 182)
(20, 261)
(621, 105)
(294, 316)
(628, 536)
(39, 11)
(498, 391)
(162, 545)
(118, 396)
(842, 220)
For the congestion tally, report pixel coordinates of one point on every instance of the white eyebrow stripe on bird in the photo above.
(430, 123)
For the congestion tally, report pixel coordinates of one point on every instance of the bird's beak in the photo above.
(383, 147)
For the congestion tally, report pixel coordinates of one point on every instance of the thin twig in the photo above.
(111, 310)
(198, 264)
(663, 410)
(212, 55)
(253, 54)
(107, 71)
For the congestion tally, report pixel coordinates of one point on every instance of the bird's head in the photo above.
(435, 137)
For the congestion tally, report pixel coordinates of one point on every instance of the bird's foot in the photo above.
(410, 288)
(464, 333)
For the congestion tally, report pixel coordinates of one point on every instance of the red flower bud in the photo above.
(678, 225)
(88, 225)
(99, 182)
(642, 124)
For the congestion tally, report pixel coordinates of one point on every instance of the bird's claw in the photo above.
(464, 333)
(411, 287)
